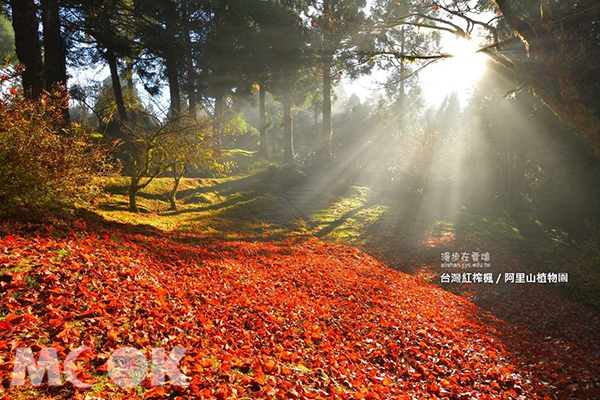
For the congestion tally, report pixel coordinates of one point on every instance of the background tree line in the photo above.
(208, 51)
(224, 63)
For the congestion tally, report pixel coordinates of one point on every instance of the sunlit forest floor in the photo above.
(263, 201)
(254, 275)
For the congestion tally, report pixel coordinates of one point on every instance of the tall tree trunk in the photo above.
(54, 48)
(262, 117)
(191, 71)
(515, 164)
(288, 148)
(315, 133)
(326, 135)
(219, 105)
(129, 74)
(172, 76)
(27, 45)
(219, 109)
(402, 97)
(116, 83)
(171, 54)
(55, 64)
(316, 119)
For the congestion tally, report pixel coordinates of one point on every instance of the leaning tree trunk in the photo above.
(133, 189)
(288, 148)
(116, 83)
(173, 192)
(27, 45)
(262, 111)
(111, 59)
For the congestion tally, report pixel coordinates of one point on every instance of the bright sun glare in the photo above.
(465, 63)
(458, 73)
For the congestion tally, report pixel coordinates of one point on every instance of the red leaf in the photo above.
(5, 326)
(158, 391)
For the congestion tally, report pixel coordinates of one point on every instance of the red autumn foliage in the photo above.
(299, 319)
(44, 162)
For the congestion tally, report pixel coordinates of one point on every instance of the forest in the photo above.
(300, 199)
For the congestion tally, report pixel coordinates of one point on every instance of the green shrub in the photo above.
(45, 163)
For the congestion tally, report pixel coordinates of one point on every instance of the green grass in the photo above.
(263, 200)
(246, 162)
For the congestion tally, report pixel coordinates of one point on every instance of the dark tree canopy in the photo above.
(563, 41)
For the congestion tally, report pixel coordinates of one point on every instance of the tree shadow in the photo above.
(340, 221)
(279, 196)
